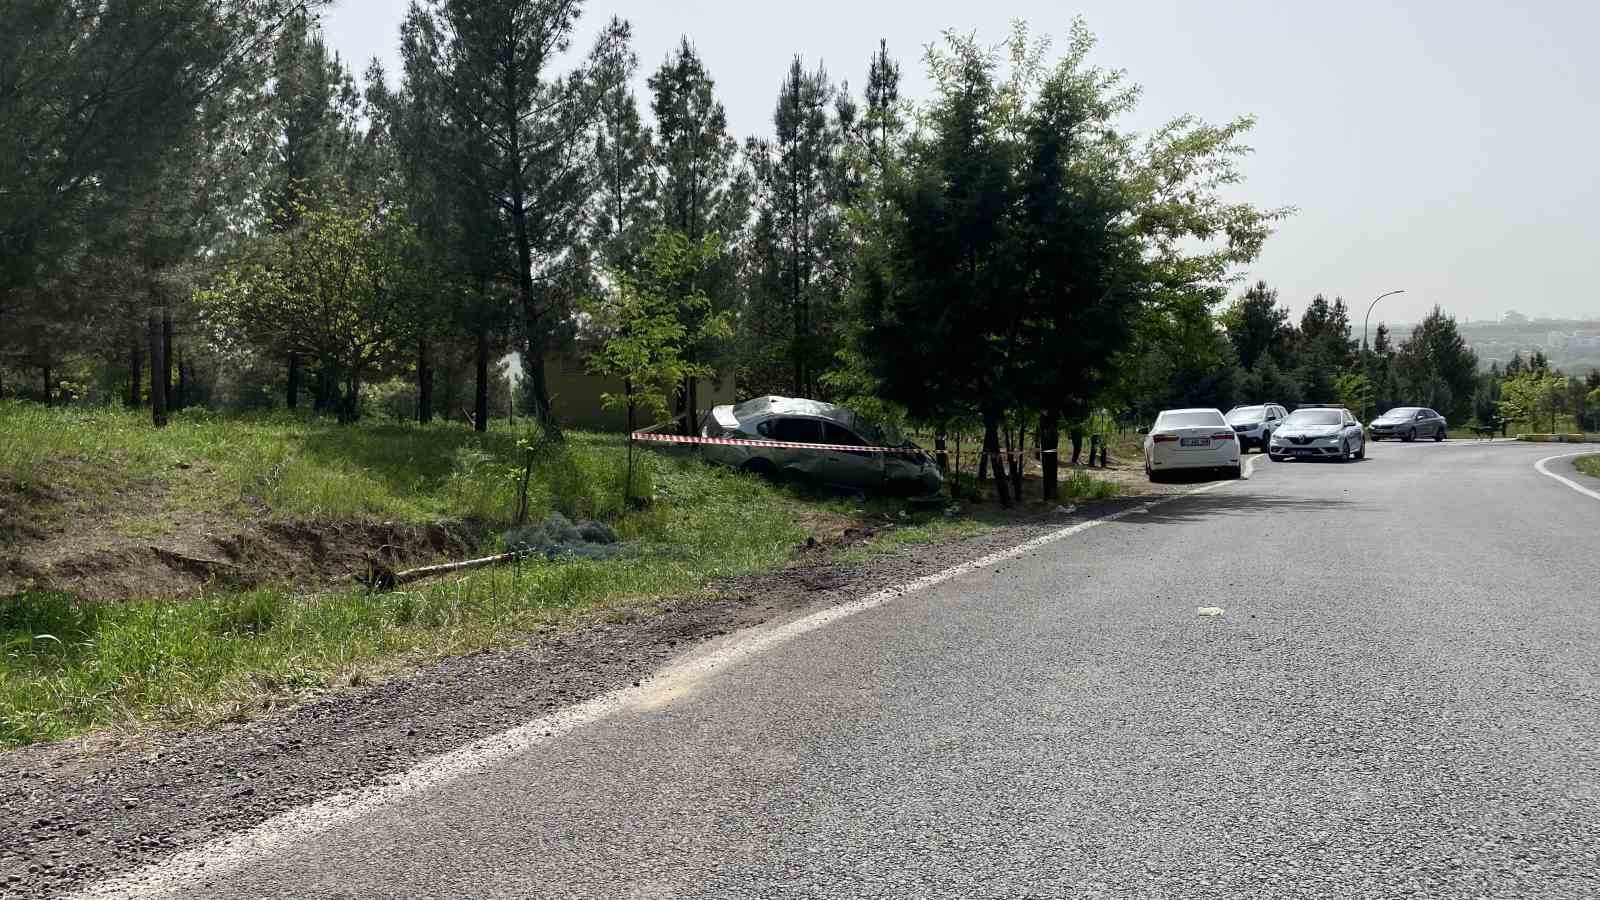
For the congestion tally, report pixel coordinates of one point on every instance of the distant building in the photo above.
(575, 394)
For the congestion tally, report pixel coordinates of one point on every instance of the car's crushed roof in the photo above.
(793, 406)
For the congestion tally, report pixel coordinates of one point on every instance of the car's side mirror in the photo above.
(1141, 430)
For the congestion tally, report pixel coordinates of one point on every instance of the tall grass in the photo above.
(67, 666)
(301, 466)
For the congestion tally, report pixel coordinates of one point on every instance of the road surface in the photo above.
(1401, 698)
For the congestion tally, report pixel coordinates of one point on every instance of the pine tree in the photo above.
(701, 190)
(516, 139)
(626, 211)
(801, 194)
(1257, 325)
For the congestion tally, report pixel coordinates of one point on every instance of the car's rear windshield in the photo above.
(1315, 417)
(1247, 414)
(1404, 412)
(1204, 418)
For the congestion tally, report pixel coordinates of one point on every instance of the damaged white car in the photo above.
(902, 469)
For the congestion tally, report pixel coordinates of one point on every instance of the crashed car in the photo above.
(908, 470)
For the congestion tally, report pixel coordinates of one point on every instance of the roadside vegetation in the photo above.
(1590, 465)
(68, 665)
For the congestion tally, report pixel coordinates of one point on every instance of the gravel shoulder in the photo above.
(76, 811)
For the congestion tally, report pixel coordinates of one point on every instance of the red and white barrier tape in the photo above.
(788, 445)
(801, 445)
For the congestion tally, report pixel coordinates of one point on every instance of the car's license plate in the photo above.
(1303, 452)
(1196, 442)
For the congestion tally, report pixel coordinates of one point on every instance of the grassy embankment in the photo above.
(68, 665)
(1589, 465)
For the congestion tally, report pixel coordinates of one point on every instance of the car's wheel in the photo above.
(1362, 453)
(1438, 435)
(761, 468)
(1237, 472)
(1410, 436)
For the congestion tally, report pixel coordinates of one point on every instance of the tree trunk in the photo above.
(538, 390)
(941, 452)
(991, 450)
(167, 356)
(292, 397)
(1049, 459)
(135, 371)
(327, 387)
(1019, 462)
(49, 397)
(480, 415)
(691, 404)
(183, 381)
(158, 364)
(424, 383)
(350, 409)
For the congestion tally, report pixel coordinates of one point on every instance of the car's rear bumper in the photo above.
(1224, 458)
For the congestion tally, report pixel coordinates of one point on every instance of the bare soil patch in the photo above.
(46, 544)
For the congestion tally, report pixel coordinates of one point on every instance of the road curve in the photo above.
(1400, 699)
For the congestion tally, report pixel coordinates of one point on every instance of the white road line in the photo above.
(191, 869)
(1543, 467)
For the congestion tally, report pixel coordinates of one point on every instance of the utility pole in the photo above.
(1364, 323)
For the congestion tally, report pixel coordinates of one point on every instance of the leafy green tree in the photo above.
(640, 321)
(1533, 397)
(342, 287)
(1354, 390)
(967, 306)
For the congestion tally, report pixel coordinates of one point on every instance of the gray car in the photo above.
(1409, 423)
(909, 471)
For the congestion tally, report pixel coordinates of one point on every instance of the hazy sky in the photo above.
(1446, 147)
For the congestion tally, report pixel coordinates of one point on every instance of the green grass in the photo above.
(67, 666)
(1589, 465)
(299, 467)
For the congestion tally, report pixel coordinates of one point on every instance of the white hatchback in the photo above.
(1191, 439)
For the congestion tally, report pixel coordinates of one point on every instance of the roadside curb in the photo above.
(1543, 468)
(1572, 438)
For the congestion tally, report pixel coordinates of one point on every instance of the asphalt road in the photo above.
(1402, 698)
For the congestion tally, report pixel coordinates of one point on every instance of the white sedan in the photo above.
(1191, 439)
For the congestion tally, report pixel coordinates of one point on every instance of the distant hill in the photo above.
(1573, 345)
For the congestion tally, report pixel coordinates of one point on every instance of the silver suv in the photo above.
(1255, 424)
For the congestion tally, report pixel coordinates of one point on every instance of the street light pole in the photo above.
(1364, 323)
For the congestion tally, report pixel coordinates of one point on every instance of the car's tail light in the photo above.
(1225, 436)
(1164, 438)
